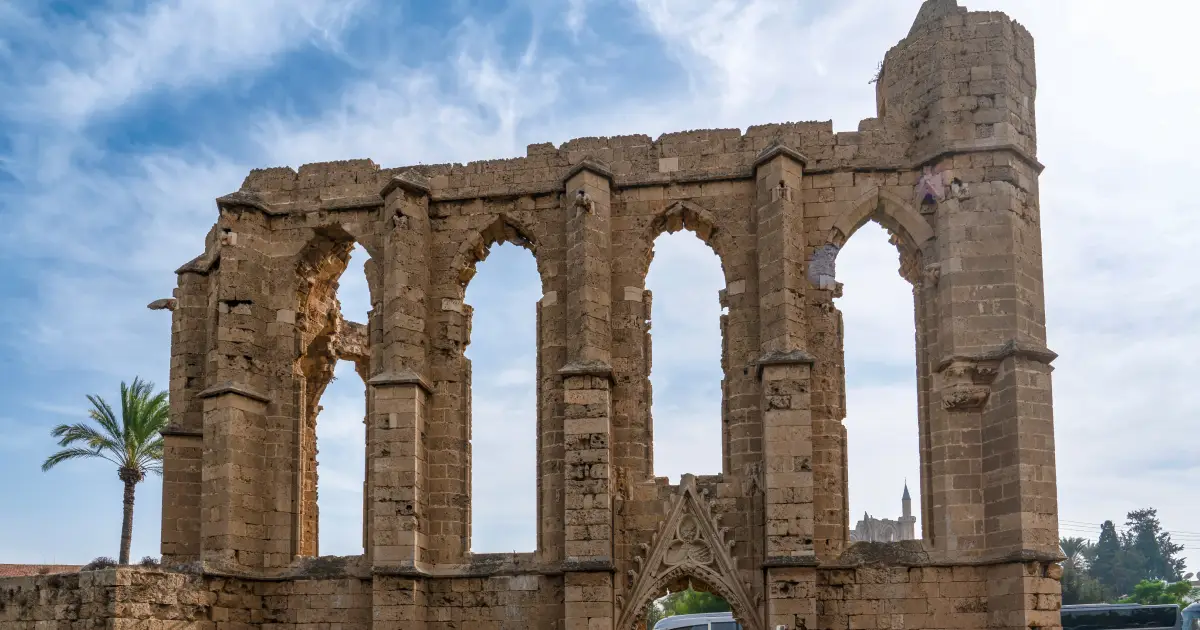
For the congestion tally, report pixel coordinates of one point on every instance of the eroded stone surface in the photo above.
(257, 330)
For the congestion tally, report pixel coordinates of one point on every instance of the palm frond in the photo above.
(132, 441)
(72, 453)
(103, 414)
(69, 434)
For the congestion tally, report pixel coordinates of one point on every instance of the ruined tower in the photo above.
(948, 167)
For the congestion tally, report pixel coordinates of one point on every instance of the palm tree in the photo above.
(1076, 550)
(133, 443)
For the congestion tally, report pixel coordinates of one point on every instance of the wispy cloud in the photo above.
(95, 234)
(114, 59)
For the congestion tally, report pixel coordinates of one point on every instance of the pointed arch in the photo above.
(689, 545)
(321, 337)
(890, 211)
(504, 229)
(686, 215)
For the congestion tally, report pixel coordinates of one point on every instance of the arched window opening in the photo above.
(341, 429)
(502, 352)
(883, 455)
(331, 367)
(685, 280)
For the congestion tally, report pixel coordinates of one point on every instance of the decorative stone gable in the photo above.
(691, 544)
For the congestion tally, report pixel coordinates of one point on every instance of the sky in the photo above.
(124, 119)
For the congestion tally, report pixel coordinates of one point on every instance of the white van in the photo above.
(699, 621)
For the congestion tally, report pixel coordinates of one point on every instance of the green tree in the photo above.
(1106, 566)
(1160, 592)
(687, 602)
(1073, 549)
(1078, 587)
(133, 443)
(1151, 554)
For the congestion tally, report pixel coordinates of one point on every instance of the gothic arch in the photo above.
(322, 337)
(891, 212)
(689, 545)
(504, 229)
(686, 215)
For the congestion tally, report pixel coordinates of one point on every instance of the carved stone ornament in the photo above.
(752, 479)
(959, 189)
(967, 384)
(930, 190)
(781, 192)
(399, 220)
(584, 202)
(931, 275)
(690, 544)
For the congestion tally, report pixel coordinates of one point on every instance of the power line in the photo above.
(1081, 527)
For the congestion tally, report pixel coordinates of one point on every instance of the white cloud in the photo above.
(576, 15)
(1116, 90)
(116, 58)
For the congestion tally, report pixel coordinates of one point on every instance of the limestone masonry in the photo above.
(948, 167)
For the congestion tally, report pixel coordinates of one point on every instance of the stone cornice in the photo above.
(1011, 348)
(245, 199)
(1021, 154)
(200, 265)
(230, 387)
(410, 181)
(400, 377)
(590, 165)
(361, 202)
(598, 369)
(172, 430)
(782, 357)
(772, 151)
(780, 562)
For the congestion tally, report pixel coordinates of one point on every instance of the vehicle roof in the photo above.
(685, 620)
(1099, 606)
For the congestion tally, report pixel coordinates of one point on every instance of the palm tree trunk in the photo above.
(127, 521)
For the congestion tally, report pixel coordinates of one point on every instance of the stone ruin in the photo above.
(948, 167)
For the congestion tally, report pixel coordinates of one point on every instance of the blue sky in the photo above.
(124, 119)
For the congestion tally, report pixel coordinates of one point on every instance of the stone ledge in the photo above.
(1021, 154)
(176, 431)
(782, 357)
(230, 387)
(362, 202)
(246, 200)
(200, 265)
(598, 369)
(785, 562)
(400, 377)
(408, 180)
(598, 565)
(779, 149)
(1010, 348)
(592, 165)
(916, 553)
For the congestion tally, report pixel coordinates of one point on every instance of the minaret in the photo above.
(908, 522)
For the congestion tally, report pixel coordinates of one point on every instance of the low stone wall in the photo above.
(967, 597)
(126, 597)
(326, 604)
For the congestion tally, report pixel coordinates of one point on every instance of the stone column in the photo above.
(399, 390)
(183, 439)
(784, 369)
(246, 475)
(587, 426)
(784, 366)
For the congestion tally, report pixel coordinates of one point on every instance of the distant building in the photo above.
(871, 529)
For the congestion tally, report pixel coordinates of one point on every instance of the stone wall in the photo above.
(948, 167)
